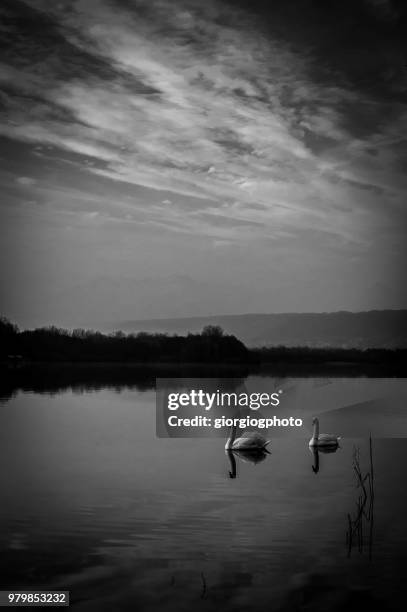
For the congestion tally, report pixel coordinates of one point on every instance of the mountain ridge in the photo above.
(363, 329)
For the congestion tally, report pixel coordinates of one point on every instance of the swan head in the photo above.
(315, 421)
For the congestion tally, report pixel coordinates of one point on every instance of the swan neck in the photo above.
(231, 438)
(315, 433)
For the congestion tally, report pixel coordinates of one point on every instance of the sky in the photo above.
(180, 158)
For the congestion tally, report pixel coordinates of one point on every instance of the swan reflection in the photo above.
(325, 450)
(254, 457)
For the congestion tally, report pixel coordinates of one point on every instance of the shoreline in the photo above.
(289, 367)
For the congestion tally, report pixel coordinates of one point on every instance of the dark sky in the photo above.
(174, 158)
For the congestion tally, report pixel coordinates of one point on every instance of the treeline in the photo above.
(211, 346)
(314, 355)
(54, 344)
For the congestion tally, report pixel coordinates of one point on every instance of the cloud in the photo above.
(201, 102)
(26, 181)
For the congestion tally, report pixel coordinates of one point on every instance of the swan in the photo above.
(250, 441)
(322, 439)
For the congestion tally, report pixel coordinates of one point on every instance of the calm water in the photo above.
(94, 503)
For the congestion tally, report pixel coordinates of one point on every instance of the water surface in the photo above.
(93, 502)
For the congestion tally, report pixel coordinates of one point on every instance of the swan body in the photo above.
(321, 440)
(250, 441)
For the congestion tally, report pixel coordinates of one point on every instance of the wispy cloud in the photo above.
(199, 102)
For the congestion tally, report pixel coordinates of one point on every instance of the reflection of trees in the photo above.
(54, 378)
(360, 525)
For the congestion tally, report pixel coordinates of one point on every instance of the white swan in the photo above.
(250, 441)
(322, 439)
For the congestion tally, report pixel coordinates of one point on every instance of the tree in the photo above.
(212, 331)
(7, 328)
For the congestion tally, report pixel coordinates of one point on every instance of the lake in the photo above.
(94, 503)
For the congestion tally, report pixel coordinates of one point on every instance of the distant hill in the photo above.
(374, 328)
